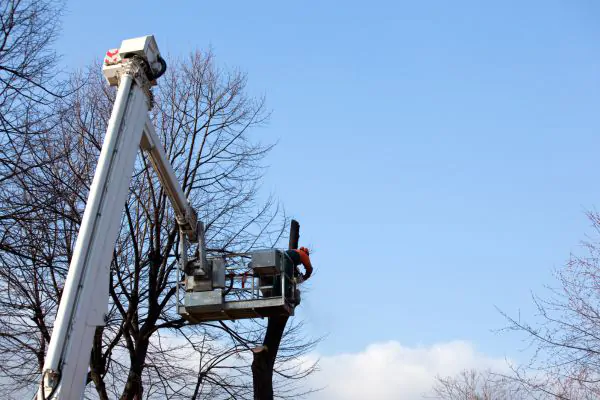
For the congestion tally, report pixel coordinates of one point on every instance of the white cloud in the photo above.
(391, 371)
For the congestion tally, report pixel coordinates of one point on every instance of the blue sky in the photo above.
(443, 153)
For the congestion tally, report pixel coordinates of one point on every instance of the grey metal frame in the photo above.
(250, 301)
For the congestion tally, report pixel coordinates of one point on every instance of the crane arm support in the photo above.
(84, 302)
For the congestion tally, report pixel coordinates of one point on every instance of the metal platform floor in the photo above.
(240, 309)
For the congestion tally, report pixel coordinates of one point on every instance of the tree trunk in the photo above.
(265, 355)
(97, 367)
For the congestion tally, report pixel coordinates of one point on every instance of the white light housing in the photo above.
(144, 46)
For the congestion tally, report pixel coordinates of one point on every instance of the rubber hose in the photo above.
(163, 67)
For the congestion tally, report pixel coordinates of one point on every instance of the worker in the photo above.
(301, 256)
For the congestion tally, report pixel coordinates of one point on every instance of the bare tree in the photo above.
(265, 355)
(564, 335)
(477, 385)
(146, 350)
(27, 90)
(27, 72)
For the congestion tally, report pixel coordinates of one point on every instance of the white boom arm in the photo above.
(84, 301)
(184, 213)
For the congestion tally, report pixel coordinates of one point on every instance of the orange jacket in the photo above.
(304, 257)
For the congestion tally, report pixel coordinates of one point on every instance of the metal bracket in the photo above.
(136, 67)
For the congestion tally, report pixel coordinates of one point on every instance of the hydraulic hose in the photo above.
(163, 67)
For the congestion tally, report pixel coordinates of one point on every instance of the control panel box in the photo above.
(267, 262)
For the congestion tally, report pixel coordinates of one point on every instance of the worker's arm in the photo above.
(305, 260)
